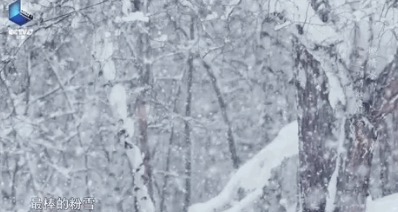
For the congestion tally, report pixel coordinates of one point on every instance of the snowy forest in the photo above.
(200, 105)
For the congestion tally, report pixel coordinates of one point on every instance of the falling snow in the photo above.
(201, 106)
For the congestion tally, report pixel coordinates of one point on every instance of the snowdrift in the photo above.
(385, 204)
(254, 174)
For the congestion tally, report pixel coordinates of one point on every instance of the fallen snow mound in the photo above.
(385, 204)
(254, 174)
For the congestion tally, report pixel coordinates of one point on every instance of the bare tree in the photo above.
(223, 106)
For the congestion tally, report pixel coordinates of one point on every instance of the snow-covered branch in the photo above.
(283, 146)
(118, 101)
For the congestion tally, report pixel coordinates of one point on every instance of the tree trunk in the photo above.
(188, 141)
(385, 158)
(145, 81)
(354, 173)
(187, 129)
(143, 137)
(360, 134)
(394, 141)
(168, 159)
(223, 106)
(316, 157)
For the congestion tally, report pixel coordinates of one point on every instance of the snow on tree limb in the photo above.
(332, 186)
(117, 99)
(118, 102)
(132, 17)
(308, 22)
(283, 146)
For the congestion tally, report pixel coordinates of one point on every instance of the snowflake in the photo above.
(371, 148)
(373, 75)
(373, 62)
(372, 51)
(358, 107)
(359, 95)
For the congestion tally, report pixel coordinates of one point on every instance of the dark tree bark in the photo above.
(386, 106)
(394, 141)
(142, 113)
(322, 8)
(385, 155)
(354, 172)
(144, 49)
(187, 129)
(223, 106)
(188, 141)
(143, 137)
(360, 134)
(316, 158)
(168, 159)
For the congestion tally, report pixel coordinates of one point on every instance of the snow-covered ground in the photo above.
(385, 204)
(283, 146)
